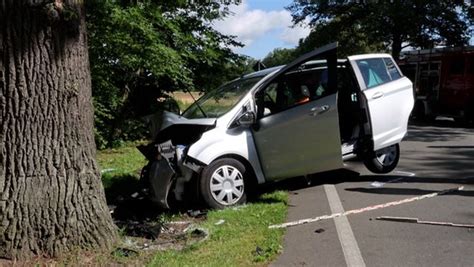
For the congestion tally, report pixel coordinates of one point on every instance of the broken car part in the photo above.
(416, 220)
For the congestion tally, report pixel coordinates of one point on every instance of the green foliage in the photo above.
(279, 56)
(393, 24)
(351, 39)
(140, 50)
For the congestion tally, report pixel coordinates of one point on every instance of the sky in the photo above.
(262, 26)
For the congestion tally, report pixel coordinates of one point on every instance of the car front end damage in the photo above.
(169, 167)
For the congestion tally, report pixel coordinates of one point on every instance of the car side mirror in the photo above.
(246, 119)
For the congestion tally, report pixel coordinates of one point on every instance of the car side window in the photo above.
(297, 86)
(373, 71)
(392, 69)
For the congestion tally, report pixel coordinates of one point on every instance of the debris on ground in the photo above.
(219, 222)
(258, 251)
(418, 221)
(381, 184)
(111, 208)
(146, 229)
(198, 234)
(124, 252)
(153, 236)
(318, 231)
(107, 170)
(196, 213)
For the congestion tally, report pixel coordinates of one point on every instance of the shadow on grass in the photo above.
(131, 211)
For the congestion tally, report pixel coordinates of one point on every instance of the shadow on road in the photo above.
(344, 176)
(441, 122)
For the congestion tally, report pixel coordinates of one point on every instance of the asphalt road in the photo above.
(433, 158)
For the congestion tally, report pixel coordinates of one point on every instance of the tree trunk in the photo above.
(51, 195)
(396, 46)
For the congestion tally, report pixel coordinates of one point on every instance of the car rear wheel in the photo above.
(383, 160)
(222, 183)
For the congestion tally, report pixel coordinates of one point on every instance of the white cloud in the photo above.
(294, 34)
(249, 25)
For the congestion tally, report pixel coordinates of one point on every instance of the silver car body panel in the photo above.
(301, 140)
(389, 104)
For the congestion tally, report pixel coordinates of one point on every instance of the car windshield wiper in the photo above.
(197, 104)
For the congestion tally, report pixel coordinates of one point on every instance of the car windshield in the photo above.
(219, 101)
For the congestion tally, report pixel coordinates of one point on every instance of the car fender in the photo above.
(219, 142)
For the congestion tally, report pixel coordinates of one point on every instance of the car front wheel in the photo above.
(222, 183)
(383, 160)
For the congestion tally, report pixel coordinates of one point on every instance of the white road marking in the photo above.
(348, 242)
(375, 207)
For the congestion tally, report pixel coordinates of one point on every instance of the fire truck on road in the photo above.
(443, 81)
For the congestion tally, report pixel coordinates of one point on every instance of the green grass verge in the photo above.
(120, 162)
(242, 240)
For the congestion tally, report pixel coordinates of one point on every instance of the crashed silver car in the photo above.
(302, 118)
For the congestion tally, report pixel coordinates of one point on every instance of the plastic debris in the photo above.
(418, 221)
(107, 170)
(111, 208)
(259, 251)
(381, 184)
(196, 213)
(320, 230)
(124, 252)
(219, 222)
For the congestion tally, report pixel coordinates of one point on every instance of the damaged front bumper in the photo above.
(168, 170)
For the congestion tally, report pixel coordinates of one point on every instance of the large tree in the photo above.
(399, 23)
(51, 195)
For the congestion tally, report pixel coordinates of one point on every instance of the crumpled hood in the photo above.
(170, 119)
(163, 120)
(182, 131)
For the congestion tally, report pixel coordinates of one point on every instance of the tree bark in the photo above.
(51, 196)
(396, 46)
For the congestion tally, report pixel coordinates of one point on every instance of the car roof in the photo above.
(263, 72)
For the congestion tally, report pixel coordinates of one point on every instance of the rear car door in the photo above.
(389, 97)
(297, 131)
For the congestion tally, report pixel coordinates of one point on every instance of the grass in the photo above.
(120, 162)
(242, 240)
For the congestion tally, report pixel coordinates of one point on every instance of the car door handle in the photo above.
(377, 95)
(318, 110)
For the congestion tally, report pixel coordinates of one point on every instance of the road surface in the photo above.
(433, 158)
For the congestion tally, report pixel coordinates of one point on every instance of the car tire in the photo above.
(222, 183)
(383, 160)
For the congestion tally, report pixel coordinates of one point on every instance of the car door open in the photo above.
(389, 97)
(297, 132)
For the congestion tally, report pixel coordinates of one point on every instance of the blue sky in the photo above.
(262, 25)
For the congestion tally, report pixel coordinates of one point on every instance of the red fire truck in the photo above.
(443, 80)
